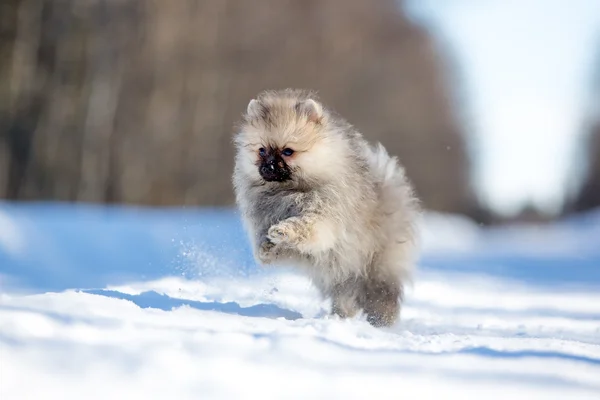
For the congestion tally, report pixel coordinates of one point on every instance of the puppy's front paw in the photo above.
(284, 231)
(266, 252)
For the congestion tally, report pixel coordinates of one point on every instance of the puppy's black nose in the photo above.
(267, 170)
(273, 168)
(271, 161)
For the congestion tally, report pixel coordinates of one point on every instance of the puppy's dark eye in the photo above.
(262, 152)
(287, 152)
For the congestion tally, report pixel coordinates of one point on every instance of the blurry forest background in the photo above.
(132, 101)
(588, 196)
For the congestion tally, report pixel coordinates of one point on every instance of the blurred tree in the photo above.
(135, 101)
(588, 196)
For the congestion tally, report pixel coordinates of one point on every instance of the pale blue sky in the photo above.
(527, 65)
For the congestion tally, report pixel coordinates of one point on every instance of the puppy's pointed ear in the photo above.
(255, 109)
(312, 109)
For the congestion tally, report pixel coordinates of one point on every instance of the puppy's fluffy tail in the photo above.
(399, 210)
(390, 176)
(384, 167)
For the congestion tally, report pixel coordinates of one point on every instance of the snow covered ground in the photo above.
(127, 303)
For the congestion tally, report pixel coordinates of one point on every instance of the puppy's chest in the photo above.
(274, 207)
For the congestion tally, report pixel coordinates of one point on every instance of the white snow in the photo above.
(168, 304)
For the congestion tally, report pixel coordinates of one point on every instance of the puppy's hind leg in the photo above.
(347, 298)
(382, 301)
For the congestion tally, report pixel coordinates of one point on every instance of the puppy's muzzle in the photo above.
(273, 169)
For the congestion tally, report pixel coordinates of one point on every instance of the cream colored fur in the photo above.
(347, 214)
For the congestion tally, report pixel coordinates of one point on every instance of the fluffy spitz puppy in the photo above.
(314, 194)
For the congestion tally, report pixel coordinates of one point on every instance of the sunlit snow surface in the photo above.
(126, 303)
